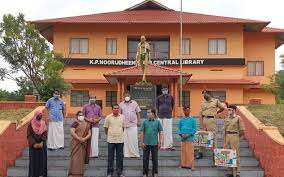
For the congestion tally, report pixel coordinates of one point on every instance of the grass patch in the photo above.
(14, 114)
(270, 115)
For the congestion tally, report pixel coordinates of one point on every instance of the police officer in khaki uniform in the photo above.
(209, 109)
(233, 130)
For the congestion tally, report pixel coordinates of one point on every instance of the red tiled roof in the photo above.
(223, 81)
(152, 71)
(87, 81)
(279, 35)
(272, 30)
(147, 16)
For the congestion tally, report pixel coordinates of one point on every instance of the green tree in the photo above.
(276, 85)
(27, 52)
(10, 96)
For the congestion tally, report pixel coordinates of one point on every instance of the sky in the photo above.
(265, 10)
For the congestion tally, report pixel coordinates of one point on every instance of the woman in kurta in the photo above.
(187, 129)
(37, 136)
(81, 133)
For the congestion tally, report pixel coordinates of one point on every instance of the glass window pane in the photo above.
(113, 46)
(159, 48)
(221, 46)
(108, 93)
(259, 69)
(108, 46)
(251, 68)
(212, 46)
(74, 48)
(221, 95)
(79, 98)
(84, 46)
(185, 46)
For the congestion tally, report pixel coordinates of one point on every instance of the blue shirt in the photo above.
(55, 107)
(151, 129)
(187, 126)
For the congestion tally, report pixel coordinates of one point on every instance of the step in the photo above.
(176, 138)
(103, 152)
(175, 121)
(137, 162)
(137, 172)
(176, 143)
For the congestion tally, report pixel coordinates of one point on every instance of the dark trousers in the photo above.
(112, 148)
(146, 154)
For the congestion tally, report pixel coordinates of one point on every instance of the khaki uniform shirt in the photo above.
(115, 127)
(210, 108)
(234, 124)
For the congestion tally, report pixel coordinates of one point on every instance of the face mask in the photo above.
(149, 115)
(165, 91)
(206, 97)
(39, 117)
(115, 112)
(56, 96)
(127, 98)
(92, 101)
(81, 118)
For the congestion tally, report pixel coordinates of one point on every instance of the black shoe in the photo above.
(229, 175)
(200, 155)
(185, 167)
(238, 175)
(61, 148)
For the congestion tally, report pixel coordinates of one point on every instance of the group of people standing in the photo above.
(121, 128)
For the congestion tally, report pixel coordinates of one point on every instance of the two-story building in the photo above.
(230, 56)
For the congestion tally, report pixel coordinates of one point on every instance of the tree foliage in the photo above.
(276, 85)
(25, 51)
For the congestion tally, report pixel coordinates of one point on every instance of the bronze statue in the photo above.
(143, 56)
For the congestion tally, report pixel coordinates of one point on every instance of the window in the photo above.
(111, 46)
(79, 46)
(111, 98)
(159, 48)
(79, 98)
(185, 98)
(221, 95)
(217, 46)
(185, 46)
(255, 68)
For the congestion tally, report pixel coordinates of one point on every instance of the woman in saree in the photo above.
(37, 136)
(81, 133)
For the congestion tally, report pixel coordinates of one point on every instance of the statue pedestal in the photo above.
(145, 95)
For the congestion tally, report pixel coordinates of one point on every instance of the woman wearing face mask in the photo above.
(37, 135)
(80, 132)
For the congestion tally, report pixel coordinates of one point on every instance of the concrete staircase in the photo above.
(58, 161)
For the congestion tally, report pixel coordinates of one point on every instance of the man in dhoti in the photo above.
(56, 108)
(93, 115)
(131, 111)
(165, 105)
